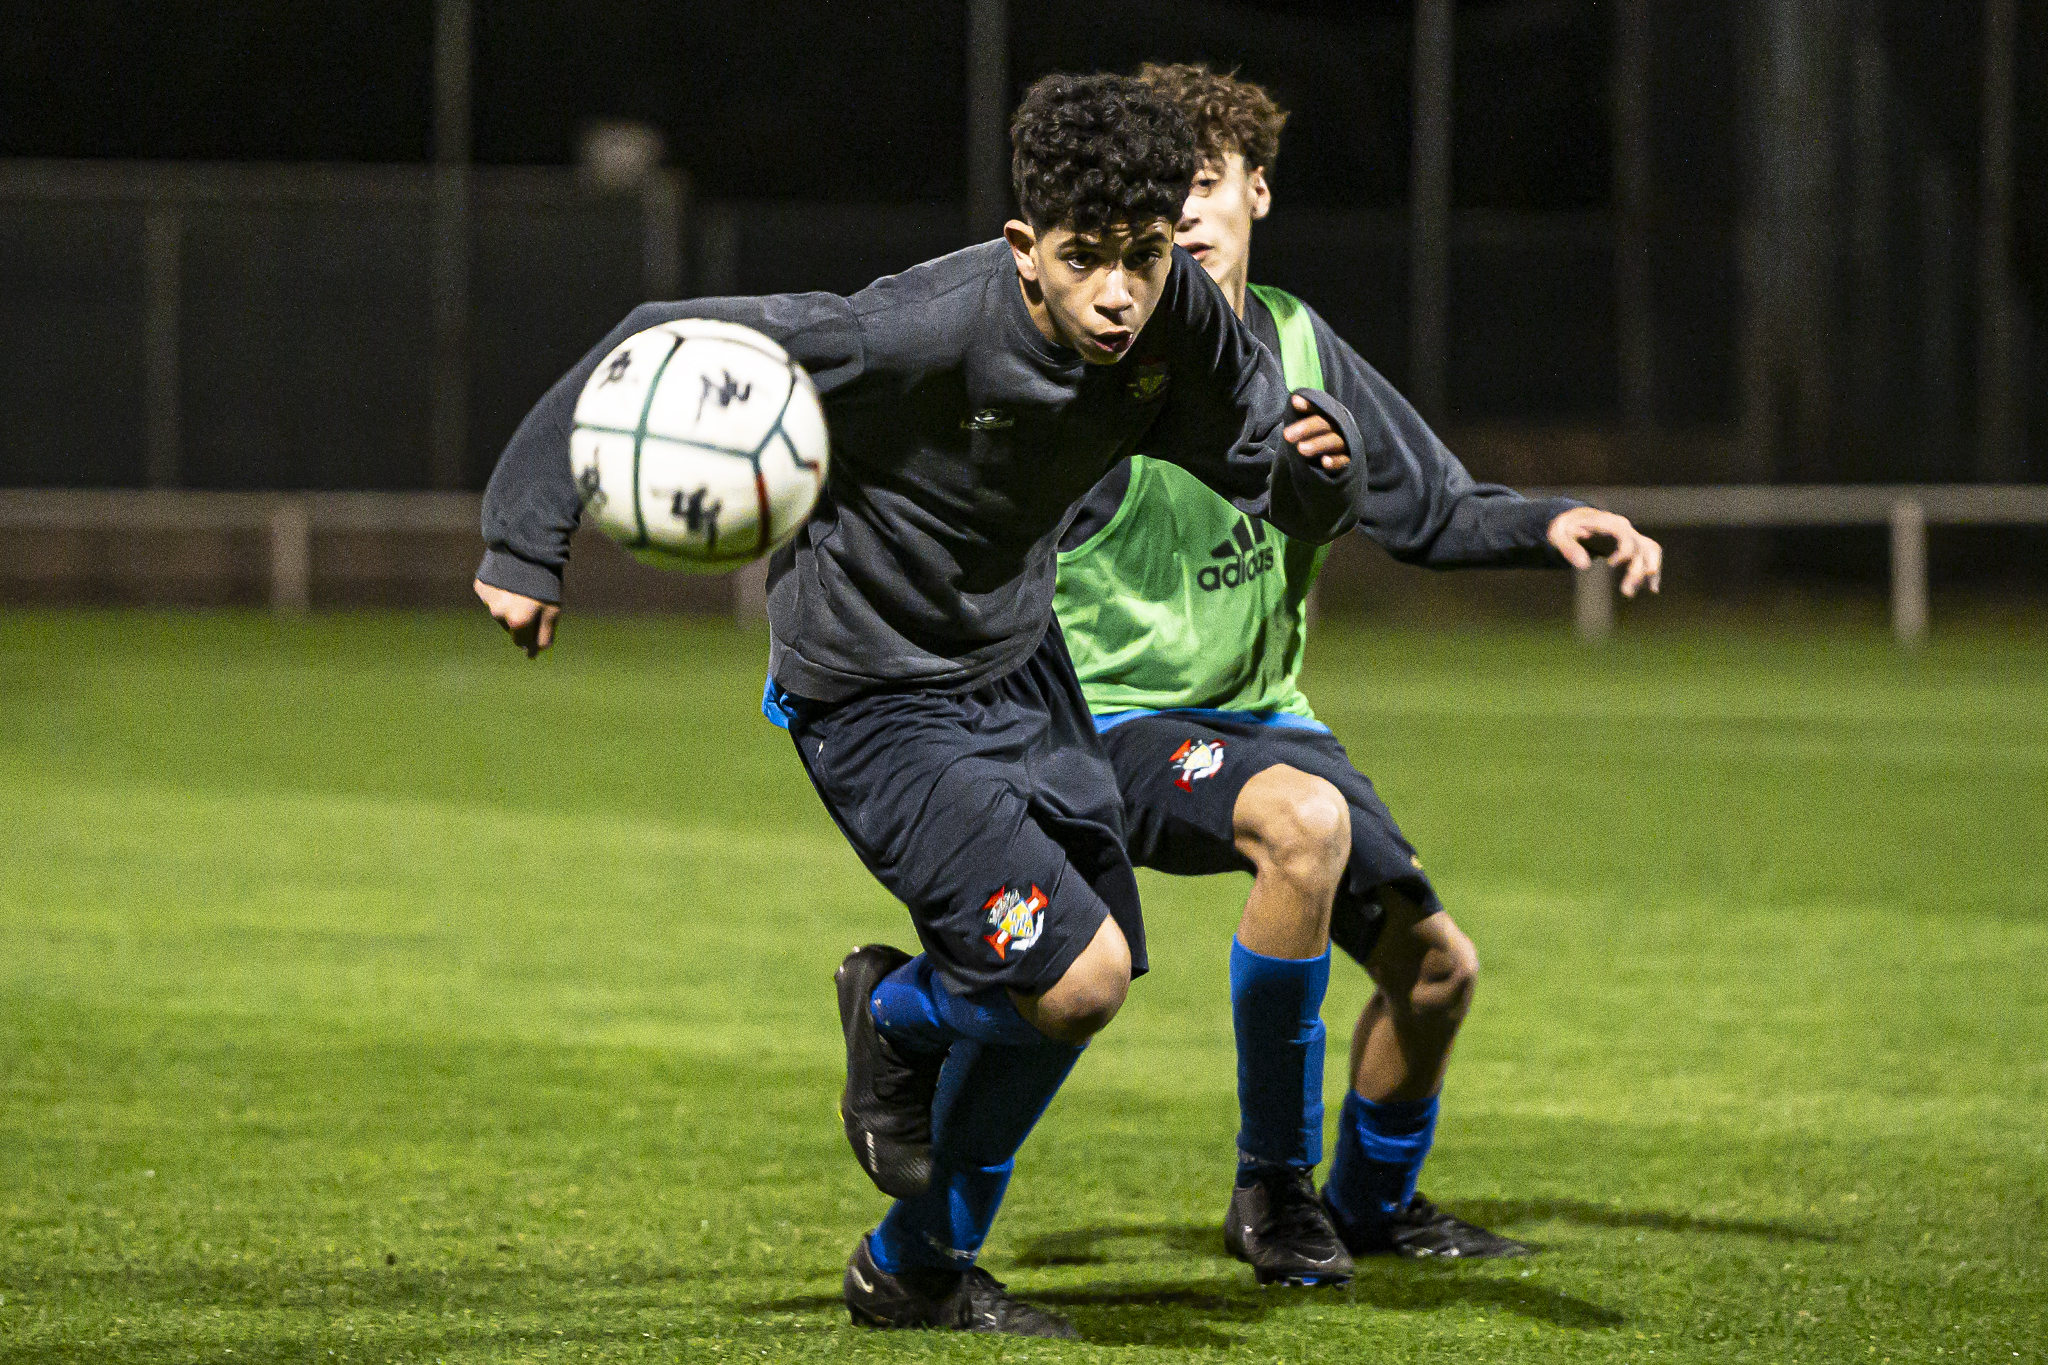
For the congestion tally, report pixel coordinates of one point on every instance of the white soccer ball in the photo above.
(698, 445)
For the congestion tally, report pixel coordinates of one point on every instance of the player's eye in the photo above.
(1140, 259)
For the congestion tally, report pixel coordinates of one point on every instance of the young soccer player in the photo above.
(1186, 622)
(913, 653)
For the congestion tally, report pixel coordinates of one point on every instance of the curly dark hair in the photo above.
(1227, 114)
(1090, 151)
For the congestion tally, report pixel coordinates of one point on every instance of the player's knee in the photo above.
(1085, 1011)
(1088, 994)
(1450, 974)
(1300, 826)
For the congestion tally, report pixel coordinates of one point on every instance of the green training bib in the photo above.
(1183, 601)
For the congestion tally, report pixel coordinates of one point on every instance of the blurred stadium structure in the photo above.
(1827, 294)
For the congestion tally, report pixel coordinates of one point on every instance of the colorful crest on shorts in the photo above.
(1194, 760)
(1016, 919)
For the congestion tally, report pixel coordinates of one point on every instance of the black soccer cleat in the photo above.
(887, 1104)
(1278, 1227)
(1422, 1231)
(970, 1300)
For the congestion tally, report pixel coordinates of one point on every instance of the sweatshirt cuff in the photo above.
(1536, 534)
(1322, 502)
(503, 569)
(1337, 415)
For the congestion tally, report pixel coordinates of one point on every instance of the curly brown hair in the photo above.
(1228, 115)
(1088, 152)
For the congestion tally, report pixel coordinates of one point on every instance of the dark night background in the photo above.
(857, 102)
(811, 120)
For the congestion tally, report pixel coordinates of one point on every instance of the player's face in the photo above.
(1216, 222)
(1093, 292)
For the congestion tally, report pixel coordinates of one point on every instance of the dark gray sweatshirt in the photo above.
(961, 441)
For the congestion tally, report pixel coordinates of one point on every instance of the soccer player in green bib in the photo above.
(1186, 622)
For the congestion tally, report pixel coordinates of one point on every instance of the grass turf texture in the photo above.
(372, 994)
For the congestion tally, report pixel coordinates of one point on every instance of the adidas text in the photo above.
(1243, 557)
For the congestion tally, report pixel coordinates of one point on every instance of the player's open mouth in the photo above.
(1196, 249)
(1116, 343)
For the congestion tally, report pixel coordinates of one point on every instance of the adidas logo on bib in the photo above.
(1242, 558)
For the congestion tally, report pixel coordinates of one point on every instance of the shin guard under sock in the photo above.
(990, 1097)
(1276, 1005)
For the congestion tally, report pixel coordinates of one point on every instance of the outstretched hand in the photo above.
(530, 621)
(1314, 438)
(1643, 556)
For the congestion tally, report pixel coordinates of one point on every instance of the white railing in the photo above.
(292, 519)
(289, 519)
(1907, 508)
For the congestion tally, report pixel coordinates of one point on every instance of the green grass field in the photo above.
(368, 993)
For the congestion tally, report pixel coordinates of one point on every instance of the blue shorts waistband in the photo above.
(1279, 720)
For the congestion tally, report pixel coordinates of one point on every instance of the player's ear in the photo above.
(1262, 193)
(1023, 242)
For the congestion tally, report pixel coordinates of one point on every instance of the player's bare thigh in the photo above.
(1295, 830)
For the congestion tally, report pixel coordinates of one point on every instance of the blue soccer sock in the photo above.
(914, 1008)
(943, 1228)
(1276, 1004)
(989, 1099)
(1381, 1146)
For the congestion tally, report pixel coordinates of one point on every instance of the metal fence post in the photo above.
(163, 261)
(662, 196)
(449, 255)
(715, 264)
(1429, 213)
(988, 118)
(1634, 168)
(1593, 601)
(1938, 325)
(750, 593)
(1909, 572)
(1871, 335)
(291, 556)
(2001, 392)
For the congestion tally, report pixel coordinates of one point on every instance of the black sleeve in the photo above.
(1415, 498)
(1225, 409)
(531, 507)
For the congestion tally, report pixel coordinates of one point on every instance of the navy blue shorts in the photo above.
(992, 814)
(1181, 772)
